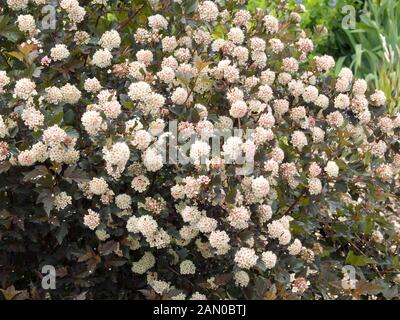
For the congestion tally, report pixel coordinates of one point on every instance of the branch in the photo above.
(294, 203)
(129, 19)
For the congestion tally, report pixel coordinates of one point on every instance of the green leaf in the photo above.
(69, 116)
(358, 261)
(57, 118)
(20, 56)
(191, 6)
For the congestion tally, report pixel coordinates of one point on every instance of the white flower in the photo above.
(190, 214)
(91, 219)
(269, 258)
(378, 98)
(299, 140)
(246, 258)
(110, 40)
(236, 35)
(140, 183)
(318, 134)
(159, 286)
(92, 121)
(17, 4)
(62, 200)
(132, 225)
(53, 95)
(144, 56)
(239, 217)
(26, 158)
(157, 22)
(206, 224)
(98, 186)
(146, 225)
(26, 23)
(24, 89)
(324, 63)
(139, 90)
(322, 101)
(112, 109)
(4, 80)
(232, 148)
(197, 295)
(123, 201)
(260, 187)
(265, 93)
(32, 118)
(92, 85)
(141, 139)
(116, 158)
(59, 52)
(242, 278)
(238, 109)
(335, 119)
(208, 11)
(53, 135)
(332, 169)
(70, 94)
(259, 59)
(199, 151)
(152, 160)
(179, 96)
(360, 86)
(271, 24)
(220, 241)
(102, 58)
(169, 44)
(187, 267)
(295, 247)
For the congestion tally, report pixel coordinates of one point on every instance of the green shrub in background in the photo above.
(322, 18)
(325, 19)
(372, 48)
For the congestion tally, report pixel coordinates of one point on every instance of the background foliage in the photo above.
(31, 236)
(371, 50)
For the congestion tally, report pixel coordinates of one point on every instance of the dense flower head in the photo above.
(182, 151)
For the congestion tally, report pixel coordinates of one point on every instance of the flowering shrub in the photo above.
(189, 150)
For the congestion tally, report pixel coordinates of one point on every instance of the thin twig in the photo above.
(294, 203)
(99, 16)
(129, 19)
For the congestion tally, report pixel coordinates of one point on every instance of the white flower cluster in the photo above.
(76, 13)
(59, 52)
(305, 134)
(91, 219)
(116, 158)
(26, 23)
(110, 40)
(62, 200)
